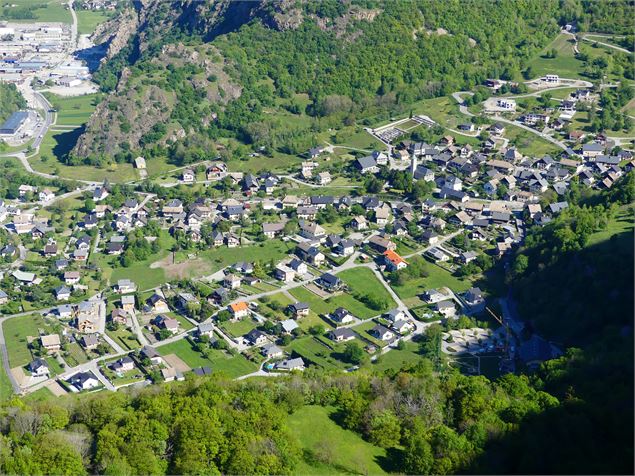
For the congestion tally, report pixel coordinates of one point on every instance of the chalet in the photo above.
(62, 293)
(367, 165)
(393, 261)
(321, 201)
(576, 135)
(497, 128)
(592, 149)
(51, 342)
(255, 337)
(403, 327)
(157, 304)
(167, 323)
(4, 297)
(430, 236)
(342, 334)
(311, 230)
(100, 193)
(89, 342)
(284, 273)
(329, 282)
(151, 354)
(446, 308)
(424, 173)
(396, 315)
(300, 309)
(124, 364)
(39, 368)
(119, 316)
(341, 316)
(290, 365)
(84, 381)
(231, 240)
(324, 178)
(381, 244)
(382, 333)
(382, 216)
(474, 296)
(216, 171)
(359, 223)
(345, 247)
(271, 351)
(271, 230)
(239, 310)
(288, 326)
(128, 303)
(434, 296)
(231, 281)
(85, 323)
(46, 195)
(307, 212)
(298, 266)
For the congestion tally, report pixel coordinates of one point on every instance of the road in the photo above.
(608, 45)
(547, 137)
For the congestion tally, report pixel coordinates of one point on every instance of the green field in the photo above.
(312, 349)
(16, 331)
(621, 223)
(88, 20)
(218, 361)
(40, 10)
(396, 359)
(360, 280)
(73, 111)
(239, 328)
(437, 278)
(529, 143)
(330, 449)
(565, 64)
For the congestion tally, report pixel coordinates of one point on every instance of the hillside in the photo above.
(199, 71)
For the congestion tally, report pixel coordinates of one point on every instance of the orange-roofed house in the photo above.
(239, 309)
(394, 262)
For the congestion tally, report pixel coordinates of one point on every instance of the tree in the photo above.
(354, 354)
(384, 429)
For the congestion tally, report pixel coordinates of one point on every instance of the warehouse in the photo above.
(13, 123)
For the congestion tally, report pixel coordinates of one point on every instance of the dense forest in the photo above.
(10, 100)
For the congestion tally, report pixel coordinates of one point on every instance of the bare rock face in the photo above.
(116, 32)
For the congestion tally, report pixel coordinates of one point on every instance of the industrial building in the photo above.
(13, 123)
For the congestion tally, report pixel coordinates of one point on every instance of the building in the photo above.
(506, 104)
(13, 123)
(393, 261)
(382, 333)
(51, 342)
(341, 335)
(84, 381)
(341, 316)
(239, 310)
(300, 309)
(39, 368)
(290, 365)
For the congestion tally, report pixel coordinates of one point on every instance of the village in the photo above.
(263, 280)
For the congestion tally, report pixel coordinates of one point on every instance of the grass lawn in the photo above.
(57, 144)
(565, 64)
(76, 355)
(125, 338)
(73, 111)
(621, 223)
(529, 143)
(16, 331)
(41, 10)
(330, 449)
(279, 300)
(88, 20)
(437, 278)
(40, 395)
(239, 328)
(6, 391)
(363, 281)
(396, 359)
(218, 361)
(311, 349)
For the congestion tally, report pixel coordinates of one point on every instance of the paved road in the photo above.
(608, 45)
(547, 137)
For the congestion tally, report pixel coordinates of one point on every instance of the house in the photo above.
(434, 296)
(474, 296)
(359, 223)
(167, 323)
(140, 163)
(367, 165)
(329, 282)
(170, 374)
(341, 316)
(85, 323)
(396, 315)
(239, 310)
(342, 335)
(255, 337)
(128, 303)
(576, 135)
(403, 326)
(151, 354)
(537, 350)
(124, 364)
(284, 273)
(126, 286)
(300, 309)
(24, 277)
(205, 329)
(231, 281)
(382, 333)
(100, 193)
(46, 195)
(157, 304)
(506, 104)
(300, 267)
(71, 277)
(467, 256)
(311, 230)
(288, 326)
(497, 129)
(51, 342)
(424, 173)
(119, 316)
(271, 351)
(290, 364)
(381, 244)
(324, 178)
(4, 298)
(84, 381)
(446, 308)
(216, 171)
(62, 293)
(89, 342)
(393, 261)
(382, 215)
(39, 368)
(271, 230)
(551, 78)
(430, 236)
(592, 150)
(310, 253)
(345, 247)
